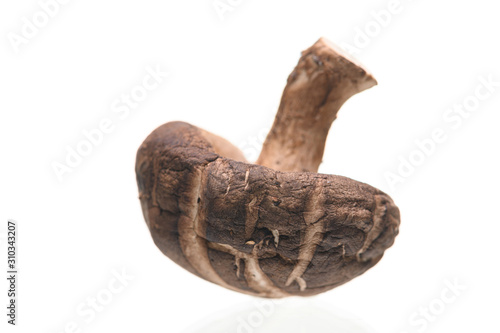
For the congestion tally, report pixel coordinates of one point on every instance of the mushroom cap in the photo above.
(254, 229)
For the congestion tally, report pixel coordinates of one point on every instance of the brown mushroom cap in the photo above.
(255, 229)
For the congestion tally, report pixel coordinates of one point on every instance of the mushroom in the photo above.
(275, 228)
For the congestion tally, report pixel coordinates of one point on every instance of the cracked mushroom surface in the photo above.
(275, 228)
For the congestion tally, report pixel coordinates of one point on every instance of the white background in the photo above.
(226, 75)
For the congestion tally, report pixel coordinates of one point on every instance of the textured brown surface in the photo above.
(256, 229)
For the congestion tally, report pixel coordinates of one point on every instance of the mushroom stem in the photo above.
(322, 81)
